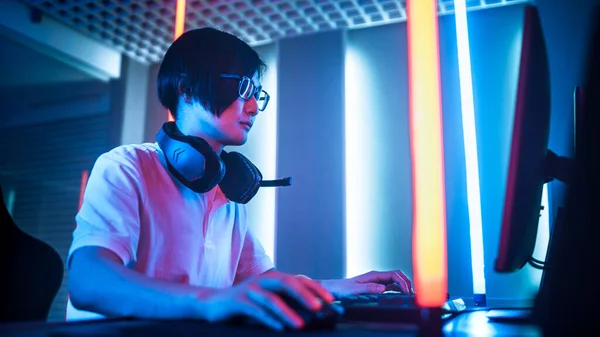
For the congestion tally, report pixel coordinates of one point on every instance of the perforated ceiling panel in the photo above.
(144, 29)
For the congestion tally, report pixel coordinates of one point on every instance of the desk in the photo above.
(466, 324)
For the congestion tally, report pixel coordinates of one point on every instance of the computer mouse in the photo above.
(394, 287)
(324, 319)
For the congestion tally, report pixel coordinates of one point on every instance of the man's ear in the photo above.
(183, 88)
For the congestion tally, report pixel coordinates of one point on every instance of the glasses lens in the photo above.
(246, 88)
(262, 100)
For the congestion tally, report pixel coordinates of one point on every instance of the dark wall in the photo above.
(46, 141)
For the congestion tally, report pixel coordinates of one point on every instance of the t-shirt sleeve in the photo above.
(253, 260)
(109, 215)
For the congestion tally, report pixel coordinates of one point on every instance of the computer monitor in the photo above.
(528, 150)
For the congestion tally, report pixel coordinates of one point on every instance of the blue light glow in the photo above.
(470, 144)
(360, 163)
(261, 149)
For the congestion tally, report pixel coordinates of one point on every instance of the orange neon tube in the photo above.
(179, 27)
(85, 174)
(84, 178)
(179, 19)
(429, 210)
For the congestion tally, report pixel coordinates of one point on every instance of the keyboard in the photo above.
(387, 298)
(390, 307)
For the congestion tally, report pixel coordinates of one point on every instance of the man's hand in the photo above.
(374, 282)
(258, 298)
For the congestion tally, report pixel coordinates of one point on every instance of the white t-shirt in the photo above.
(133, 206)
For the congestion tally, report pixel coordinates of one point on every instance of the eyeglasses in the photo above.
(247, 90)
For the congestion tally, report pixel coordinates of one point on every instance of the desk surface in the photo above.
(466, 324)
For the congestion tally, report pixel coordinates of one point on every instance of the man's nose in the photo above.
(251, 106)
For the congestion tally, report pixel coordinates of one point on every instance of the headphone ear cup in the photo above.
(242, 179)
(190, 159)
(214, 167)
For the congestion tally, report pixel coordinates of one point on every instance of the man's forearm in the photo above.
(101, 284)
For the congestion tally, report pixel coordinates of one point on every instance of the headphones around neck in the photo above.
(197, 166)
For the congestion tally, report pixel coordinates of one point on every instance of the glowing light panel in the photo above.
(179, 28)
(261, 149)
(470, 144)
(360, 137)
(85, 174)
(429, 224)
(179, 18)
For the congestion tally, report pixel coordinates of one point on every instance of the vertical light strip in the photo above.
(470, 144)
(84, 178)
(360, 162)
(261, 149)
(266, 140)
(179, 28)
(85, 174)
(429, 224)
(179, 19)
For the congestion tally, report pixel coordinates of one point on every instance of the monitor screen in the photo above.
(528, 150)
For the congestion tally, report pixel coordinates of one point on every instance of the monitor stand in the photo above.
(528, 316)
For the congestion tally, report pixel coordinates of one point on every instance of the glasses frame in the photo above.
(257, 89)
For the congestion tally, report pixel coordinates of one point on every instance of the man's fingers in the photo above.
(260, 315)
(317, 289)
(294, 288)
(403, 281)
(396, 276)
(367, 288)
(383, 277)
(276, 307)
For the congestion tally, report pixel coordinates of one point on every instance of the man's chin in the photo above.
(236, 142)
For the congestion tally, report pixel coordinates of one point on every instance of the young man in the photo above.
(163, 233)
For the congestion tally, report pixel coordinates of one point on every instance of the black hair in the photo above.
(196, 60)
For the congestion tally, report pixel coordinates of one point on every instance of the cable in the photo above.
(536, 265)
(537, 261)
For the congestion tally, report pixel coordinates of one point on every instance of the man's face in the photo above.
(234, 124)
